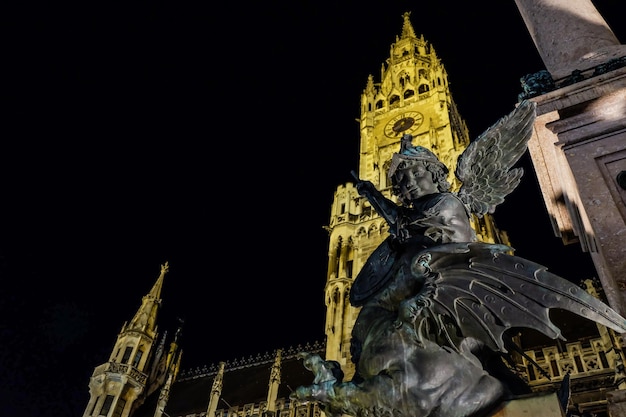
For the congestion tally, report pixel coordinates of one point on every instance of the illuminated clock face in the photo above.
(407, 122)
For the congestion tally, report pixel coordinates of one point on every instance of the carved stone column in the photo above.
(578, 147)
(569, 35)
(579, 144)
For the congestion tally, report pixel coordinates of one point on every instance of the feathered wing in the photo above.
(481, 291)
(485, 168)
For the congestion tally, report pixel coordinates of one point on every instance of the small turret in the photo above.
(123, 383)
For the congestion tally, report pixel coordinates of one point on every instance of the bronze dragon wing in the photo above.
(479, 290)
(485, 167)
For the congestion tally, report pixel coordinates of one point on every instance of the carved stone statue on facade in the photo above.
(438, 308)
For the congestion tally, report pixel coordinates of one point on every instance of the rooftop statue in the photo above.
(438, 307)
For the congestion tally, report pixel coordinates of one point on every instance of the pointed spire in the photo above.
(164, 395)
(160, 365)
(174, 346)
(433, 55)
(407, 27)
(369, 87)
(155, 292)
(216, 391)
(274, 382)
(145, 318)
(173, 367)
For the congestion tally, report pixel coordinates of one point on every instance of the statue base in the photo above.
(544, 405)
(616, 403)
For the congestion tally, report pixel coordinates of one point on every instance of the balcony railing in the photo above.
(578, 359)
(122, 368)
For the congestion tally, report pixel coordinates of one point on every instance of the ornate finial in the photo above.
(405, 143)
(407, 28)
(165, 267)
(369, 88)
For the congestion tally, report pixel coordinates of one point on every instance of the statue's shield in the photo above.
(375, 273)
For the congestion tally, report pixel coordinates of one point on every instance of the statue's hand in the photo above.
(365, 188)
(317, 392)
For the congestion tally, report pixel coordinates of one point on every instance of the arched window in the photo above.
(138, 356)
(127, 353)
(106, 406)
(404, 79)
(384, 179)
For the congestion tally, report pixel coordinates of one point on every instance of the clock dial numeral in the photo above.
(403, 124)
(407, 122)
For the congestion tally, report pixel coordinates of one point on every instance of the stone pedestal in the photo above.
(616, 403)
(578, 151)
(544, 405)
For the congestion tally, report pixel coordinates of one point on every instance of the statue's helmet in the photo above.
(410, 154)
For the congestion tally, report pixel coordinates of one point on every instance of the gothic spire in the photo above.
(274, 382)
(407, 27)
(145, 318)
(216, 391)
(369, 87)
(173, 366)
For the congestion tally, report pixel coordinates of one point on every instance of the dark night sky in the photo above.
(212, 138)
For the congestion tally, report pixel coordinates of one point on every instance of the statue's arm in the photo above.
(386, 208)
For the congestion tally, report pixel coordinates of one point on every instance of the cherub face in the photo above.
(414, 182)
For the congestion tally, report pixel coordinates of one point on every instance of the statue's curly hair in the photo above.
(440, 177)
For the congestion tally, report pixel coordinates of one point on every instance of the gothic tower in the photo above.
(138, 365)
(412, 97)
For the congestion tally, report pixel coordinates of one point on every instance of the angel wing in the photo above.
(481, 291)
(485, 168)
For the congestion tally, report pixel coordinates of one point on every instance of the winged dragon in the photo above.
(438, 306)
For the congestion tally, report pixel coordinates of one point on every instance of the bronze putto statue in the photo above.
(438, 307)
